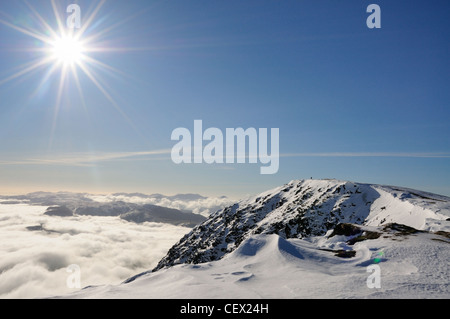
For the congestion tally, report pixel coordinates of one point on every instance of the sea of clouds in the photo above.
(37, 249)
(189, 202)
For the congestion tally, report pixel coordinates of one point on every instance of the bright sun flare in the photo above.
(67, 50)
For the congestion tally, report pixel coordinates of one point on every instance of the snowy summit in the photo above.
(307, 239)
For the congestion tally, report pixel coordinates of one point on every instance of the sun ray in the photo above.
(106, 94)
(58, 103)
(41, 20)
(89, 20)
(59, 21)
(93, 61)
(35, 35)
(61, 86)
(98, 34)
(100, 87)
(39, 62)
(78, 85)
(44, 80)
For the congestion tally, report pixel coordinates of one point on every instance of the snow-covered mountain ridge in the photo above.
(306, 239)
(305, 208)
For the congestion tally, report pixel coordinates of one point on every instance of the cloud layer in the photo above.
(37, 249)
(188, 202)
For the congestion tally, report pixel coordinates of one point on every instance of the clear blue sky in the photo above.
(353, 103)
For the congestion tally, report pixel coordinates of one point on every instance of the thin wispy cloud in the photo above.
(86, 159)
(91, 159)
(369, 154)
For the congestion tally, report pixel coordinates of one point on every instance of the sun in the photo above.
(67, 50)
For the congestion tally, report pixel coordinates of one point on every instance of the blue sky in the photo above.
(353, 103)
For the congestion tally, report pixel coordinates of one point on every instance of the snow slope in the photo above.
(268, 266)
(307, 239)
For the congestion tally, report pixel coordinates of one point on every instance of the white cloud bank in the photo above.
(37, 249)
(189, 202)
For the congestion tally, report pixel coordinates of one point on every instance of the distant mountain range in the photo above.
(66, 204)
